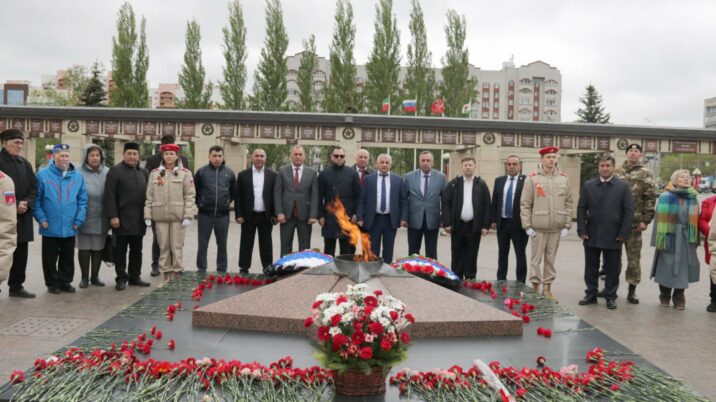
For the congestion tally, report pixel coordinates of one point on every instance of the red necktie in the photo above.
(295, 182)
(295, 179)
(362, 173)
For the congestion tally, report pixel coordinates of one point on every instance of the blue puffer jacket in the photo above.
(61, 201)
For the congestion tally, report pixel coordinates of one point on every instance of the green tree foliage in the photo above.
(341, 95)
(73, 84)
(591, 111)
(197, 94)
(235, 52)
(420, 80)
(269, 92)
(458, 87)
(93, 93)
(130, 62)
(306, 94)
(384, 62)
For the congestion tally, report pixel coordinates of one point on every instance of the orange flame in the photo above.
(356, 238)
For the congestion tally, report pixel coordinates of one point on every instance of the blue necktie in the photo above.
(383, 197)
(508, 200)
(425, 189)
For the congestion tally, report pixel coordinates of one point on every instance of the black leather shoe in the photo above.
(67, 288)
(96, 282)
(22, 293)
(139, 282)
(54, 291)
(120, 285)
(611, 304)
(84, 283)
(711, 308)
(588, 300)
(155, 271)
(631, 296)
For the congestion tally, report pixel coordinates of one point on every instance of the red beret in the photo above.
(170, 147)
(548, 150)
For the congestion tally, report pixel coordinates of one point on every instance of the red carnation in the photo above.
(323, 333)
(358, 337)
(316, 304)
(504, 289)
(308, 322)
(521, 392)
(146, 348)
(179, 305)
(267, 281)
(341, 299)
(540, 331)
(158, 335)
(171, 344)
(547, 333)
(335, 320)
(378, 292)
(541, 361)
(370, 301)
(338, 341)
(393, 315)
(526, 319)
(170, 317)
(405, 338)
(385, 344)
(154, 329)
(17, 377)
(615, 387)
(366, 353)
(171, 309)
(410, 317)
(525, 308)
(375, 328)
(256, 282)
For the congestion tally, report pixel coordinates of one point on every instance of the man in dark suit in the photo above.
(361, 165)
(506, 219)
(152, 162)
(466, 216)
(255, 210)
(383, 207)
(604, 217)
(425, 187)
(296, 201)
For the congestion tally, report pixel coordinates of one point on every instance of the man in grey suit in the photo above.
(296, 198)
(425, 187)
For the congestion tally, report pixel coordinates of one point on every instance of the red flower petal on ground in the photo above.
(17, 377)
(308, 322)
(366, 353)
(405, 338)
(171, 344)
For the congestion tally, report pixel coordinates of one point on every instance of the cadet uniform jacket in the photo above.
(546, 203)
(8, 224)
(170, 195)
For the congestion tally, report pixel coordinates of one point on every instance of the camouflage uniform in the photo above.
(643, 190)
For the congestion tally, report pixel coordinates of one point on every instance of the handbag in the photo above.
(108, 252)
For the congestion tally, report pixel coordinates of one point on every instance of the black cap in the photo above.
(131, 145)
(11, 134)
(634, 146)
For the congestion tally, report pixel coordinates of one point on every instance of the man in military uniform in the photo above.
(8, 224)
(643, 190)
(546, 213)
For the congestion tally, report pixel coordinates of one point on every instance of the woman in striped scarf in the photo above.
(676, 238)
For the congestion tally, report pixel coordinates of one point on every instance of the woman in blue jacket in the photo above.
(60, 209)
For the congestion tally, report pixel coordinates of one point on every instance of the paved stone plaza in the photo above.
(679, 342)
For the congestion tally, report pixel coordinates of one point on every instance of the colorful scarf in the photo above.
(667, 215)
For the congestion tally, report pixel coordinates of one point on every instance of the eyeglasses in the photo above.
(339, 156)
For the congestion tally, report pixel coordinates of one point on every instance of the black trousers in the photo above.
(611, 266)
(330, 246)
(465, 246)
(259, 223)
(135, 257)
(507, 232)
(18, 268)
(415, 240)
(713, 292)
(58, 260)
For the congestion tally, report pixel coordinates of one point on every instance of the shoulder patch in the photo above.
(532, 174)
(154, 170)
(2, 175)
(561, 173)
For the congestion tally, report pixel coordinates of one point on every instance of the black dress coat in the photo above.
(124, 194)
(452, 204)
(605, 212)
(344, 182)
(244, 201)
(21, 173)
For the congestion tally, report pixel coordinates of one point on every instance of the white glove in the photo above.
(186, 222)
(531, 232)
(563, 233)
(148, 222)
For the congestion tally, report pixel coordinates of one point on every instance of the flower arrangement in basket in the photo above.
(359, 337)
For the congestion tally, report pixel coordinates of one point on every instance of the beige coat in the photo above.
(171, 196)
(712, 246)
(546, 203)
(8, 224)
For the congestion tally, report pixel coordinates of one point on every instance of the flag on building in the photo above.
(386, 105)
(410, 105)
(438, 106)
(466, 108)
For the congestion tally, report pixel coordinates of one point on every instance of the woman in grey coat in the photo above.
(93, 233)
(676, 238)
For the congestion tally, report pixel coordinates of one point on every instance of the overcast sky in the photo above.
(653, 61)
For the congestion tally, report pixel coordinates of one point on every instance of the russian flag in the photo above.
(410, 105)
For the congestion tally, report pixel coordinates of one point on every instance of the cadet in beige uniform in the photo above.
(546, 213)
(170, 204)
(8, 225)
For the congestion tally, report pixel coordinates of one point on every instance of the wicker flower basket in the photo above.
(357, 383)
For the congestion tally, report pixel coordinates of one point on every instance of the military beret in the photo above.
(60, 148)
(131, 145)
(548, 150)
(11, 134)
(170, 147)
(634, 146)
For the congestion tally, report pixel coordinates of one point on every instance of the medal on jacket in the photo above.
(10, 197)
(540, 190)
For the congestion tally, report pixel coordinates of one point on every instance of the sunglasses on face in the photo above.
(339, 156)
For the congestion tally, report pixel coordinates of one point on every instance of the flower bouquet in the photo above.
(428, 269)
(296, 262)
(359, 337)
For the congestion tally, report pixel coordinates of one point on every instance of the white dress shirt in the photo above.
(467, 214)
(258, 180)
(379, 192)
(504, 193)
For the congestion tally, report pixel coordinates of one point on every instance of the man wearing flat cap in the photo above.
(643, 190)
(124, 193)
(21, 173)
(546, 213)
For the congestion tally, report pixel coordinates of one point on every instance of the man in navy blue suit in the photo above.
(382, 207)
(506, 219)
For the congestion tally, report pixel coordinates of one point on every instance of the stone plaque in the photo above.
(566, 142)
(92, 127)
(3, 124)
(651, 145)
(267, 131)
(328, 133)
(18, 124)
(149, 128)
(54, 126)
(509, 139)
(130, 128)
(528, 140)
(429, 136)
(685, 146)
(111, 127)
(450, 137)
(169, 128)
(469, 138)
(410, 136)
(307, 132)
(247, 131)
(603, 144)
(367, 135)
(546, 141)
(287, 132)
(37, 126)
(226, 130)
(584, 142)
(388, 135)
(187, 130)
